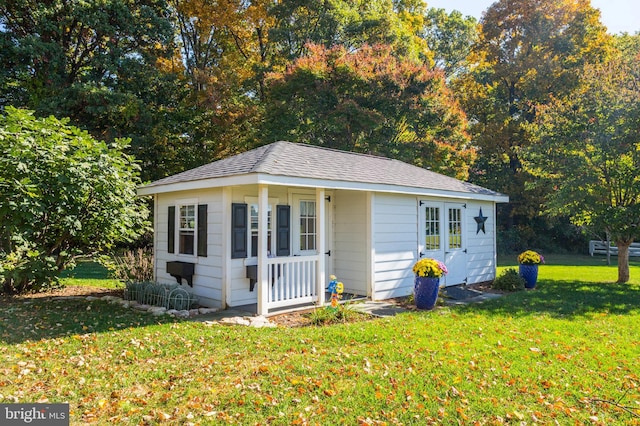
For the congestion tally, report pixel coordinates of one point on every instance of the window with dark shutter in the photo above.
(239, 216)
(283, 230)
(202, 230)
(171, 230)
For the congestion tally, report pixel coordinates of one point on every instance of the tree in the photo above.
(62, 194)
(369, 101)
(588, 151)
(529, 51)
(222, 51)
(450, 38)
(95, 62)
(347, 23)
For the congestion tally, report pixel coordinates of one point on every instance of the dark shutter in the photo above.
(202, 230)
(171, 230)
(239, 228)
(283, 230)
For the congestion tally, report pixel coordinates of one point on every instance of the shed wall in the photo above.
(395, 233)
(349, 252)
(207, 280)
(481, 258)
(395, 243)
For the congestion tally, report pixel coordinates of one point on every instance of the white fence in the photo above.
(293, 281)
(600, 247)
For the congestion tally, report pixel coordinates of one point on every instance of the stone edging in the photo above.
(258, 321)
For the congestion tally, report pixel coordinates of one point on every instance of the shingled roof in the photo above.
(311, 162)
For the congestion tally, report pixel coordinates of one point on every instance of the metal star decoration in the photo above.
(480, 220)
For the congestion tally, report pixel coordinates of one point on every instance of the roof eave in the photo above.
(263, 178)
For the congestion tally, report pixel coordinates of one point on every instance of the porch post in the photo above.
(320, 245)
(263, 279)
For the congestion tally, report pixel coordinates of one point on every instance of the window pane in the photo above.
(186, 242)
(253, 219)
(432, 228)
(307, 225)
(455, 228)
(188, 217)
(187, 225)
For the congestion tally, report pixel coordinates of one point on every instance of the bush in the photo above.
(63, 194)
(132, 266)
(509, 280)
(27, 270)
(327, 315)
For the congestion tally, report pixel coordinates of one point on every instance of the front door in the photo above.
(442, 238)
(304, 226)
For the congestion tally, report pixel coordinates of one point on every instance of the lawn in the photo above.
(565, 353)
(90, 274)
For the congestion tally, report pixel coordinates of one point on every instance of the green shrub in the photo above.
(26, 269)
(509, 280)
(63, 194)
(328, 315)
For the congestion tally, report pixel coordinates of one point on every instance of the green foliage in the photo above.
(95, 62)
(509, 280)
(327, 315)
(369, 101)
(527, 52)
(170, 296)
(62, 193)
(352, 24)
(451, 38)
(588, 150)
(26, 268)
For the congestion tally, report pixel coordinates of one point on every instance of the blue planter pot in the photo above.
(425, 291)
(530, 275)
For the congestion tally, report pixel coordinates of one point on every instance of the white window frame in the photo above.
(423, 205)
(253, 201)
(192, 202)
(295, 224)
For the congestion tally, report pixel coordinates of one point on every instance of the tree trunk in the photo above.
(623, 261)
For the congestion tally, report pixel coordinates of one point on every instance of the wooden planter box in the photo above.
(180, 270)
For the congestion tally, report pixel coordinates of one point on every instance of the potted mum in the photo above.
(528, 267)
(427, 281)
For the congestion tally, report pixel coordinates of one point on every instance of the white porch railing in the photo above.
(293, 281)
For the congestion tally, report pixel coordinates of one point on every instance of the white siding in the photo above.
(349, 252)
(207, 280)
(481, 257)
(395, 243)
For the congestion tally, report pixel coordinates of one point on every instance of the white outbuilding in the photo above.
(269, 226)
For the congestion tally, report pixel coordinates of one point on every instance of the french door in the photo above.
(442, 237)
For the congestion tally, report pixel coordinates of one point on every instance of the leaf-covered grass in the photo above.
(565, 353)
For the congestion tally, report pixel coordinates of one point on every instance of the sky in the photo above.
(617, 15)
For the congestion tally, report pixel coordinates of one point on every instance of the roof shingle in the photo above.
(308, 161)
